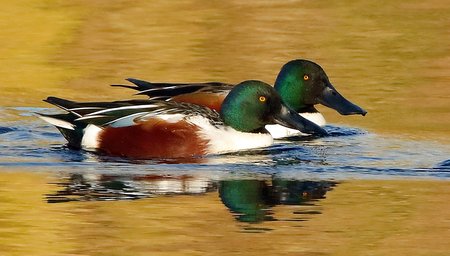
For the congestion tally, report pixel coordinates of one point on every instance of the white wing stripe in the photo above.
(122, 108)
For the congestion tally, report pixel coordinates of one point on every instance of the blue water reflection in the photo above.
(348, 153)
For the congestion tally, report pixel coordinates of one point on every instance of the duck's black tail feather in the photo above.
(164, 91)
(65, 124)
(61, 103)
(140, 85)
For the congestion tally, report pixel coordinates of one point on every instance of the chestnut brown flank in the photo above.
(153, 138)
(210, 100)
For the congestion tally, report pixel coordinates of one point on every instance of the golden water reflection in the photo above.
(388, 57)
(355, 217)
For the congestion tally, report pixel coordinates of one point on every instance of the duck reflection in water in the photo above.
(249, 200)
(252, 200)
(108, 187)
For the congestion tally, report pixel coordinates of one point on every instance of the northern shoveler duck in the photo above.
(142, 129)
(301, 84)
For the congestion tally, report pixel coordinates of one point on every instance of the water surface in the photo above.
(379, 185)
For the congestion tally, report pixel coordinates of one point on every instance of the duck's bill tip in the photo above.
(333, 99)
(354, 110)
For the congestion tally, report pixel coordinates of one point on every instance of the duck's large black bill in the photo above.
(291, 119)
(332, 99)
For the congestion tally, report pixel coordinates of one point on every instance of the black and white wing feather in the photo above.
(165, 91)
(125, 113)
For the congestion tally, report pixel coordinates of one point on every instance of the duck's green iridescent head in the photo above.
(253, 104)
(303, 83)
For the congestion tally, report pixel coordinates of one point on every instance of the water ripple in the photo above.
(349, 152)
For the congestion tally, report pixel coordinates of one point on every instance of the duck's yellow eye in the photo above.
(262, 98)
(305, 77)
